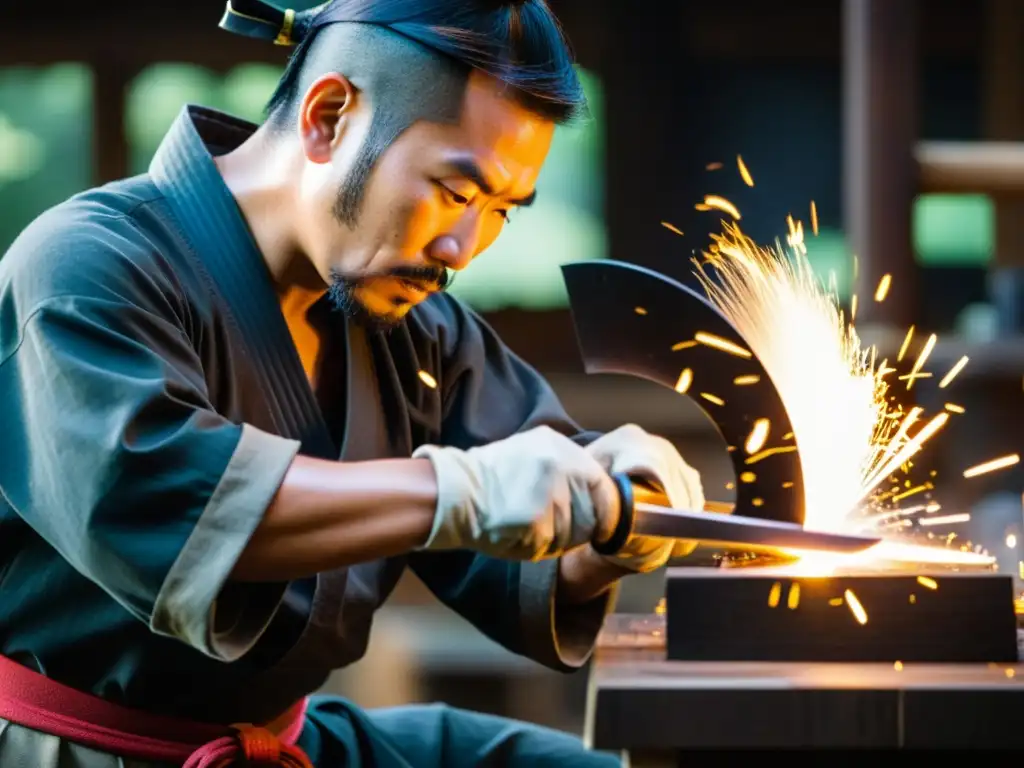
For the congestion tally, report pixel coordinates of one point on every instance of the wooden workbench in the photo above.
(653, 709)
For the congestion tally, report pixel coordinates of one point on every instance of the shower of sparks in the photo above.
(846, 439)
(857, 444)
(991, 466)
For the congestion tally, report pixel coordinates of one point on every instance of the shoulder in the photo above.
(99, 245)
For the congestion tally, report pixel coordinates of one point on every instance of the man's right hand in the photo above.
(533, 495)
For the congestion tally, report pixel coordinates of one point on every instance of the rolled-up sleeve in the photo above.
(114, 455)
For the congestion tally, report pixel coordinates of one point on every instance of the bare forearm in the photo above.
(327, 515)
(584, 575)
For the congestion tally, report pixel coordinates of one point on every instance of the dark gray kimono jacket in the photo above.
(152, 400)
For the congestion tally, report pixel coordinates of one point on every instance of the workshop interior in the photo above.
(750, 183)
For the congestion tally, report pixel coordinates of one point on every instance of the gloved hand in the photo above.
(633, 451)
(533, 495)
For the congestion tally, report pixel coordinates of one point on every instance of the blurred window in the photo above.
(46, 149)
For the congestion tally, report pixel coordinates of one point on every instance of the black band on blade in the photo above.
(624, 528)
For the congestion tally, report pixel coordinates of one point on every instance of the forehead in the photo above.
(499, 132)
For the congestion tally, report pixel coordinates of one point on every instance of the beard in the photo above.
(343, 290)
(343, 294)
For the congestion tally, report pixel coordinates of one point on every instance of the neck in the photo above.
(258, 173)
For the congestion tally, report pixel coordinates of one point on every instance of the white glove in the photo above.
(536, 494)
(631, 450)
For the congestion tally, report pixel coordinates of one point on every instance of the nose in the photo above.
(457, 247)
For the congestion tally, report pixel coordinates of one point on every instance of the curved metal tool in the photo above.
(631, 320)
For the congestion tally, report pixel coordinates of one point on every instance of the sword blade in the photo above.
(668, 523)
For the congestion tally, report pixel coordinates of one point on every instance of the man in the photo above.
(180, 546)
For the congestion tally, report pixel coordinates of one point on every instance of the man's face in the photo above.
(438, 196)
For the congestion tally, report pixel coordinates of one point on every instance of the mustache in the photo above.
(437, 277)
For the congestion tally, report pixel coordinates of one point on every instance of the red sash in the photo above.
(37, 702)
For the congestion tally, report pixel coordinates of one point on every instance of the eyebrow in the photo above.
(471, 171)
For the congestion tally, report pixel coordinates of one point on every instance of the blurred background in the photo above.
(900, 120)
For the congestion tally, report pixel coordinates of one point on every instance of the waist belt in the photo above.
(37, 702)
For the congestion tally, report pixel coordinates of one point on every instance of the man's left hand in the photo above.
(631, 450)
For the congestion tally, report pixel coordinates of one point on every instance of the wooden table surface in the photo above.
(640, 703)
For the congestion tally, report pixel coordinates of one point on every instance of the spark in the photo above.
(758, 436)
(855, 607)
(814, 218)
(835, 601)
(922, 358)
(898, 666)
(747, 477)
(793, 598)
(717, 342)
(744, 173)
(991, 466)
(945, 519)
(640, 310)
(671, 228)
(775, 594)
(684, 381)
(683, 345)
(906, 344)
(927, 583)
(948, 378)
(427, 379)
(954, 408)
(721, 204)
(712, 398)
(761, 455)
(1011, 541)
(713, 166)
(743, 381)
(883, 288)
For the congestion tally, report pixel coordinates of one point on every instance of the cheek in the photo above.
(415, 222)
(489, 233)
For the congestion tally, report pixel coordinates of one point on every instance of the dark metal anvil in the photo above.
(634, 321)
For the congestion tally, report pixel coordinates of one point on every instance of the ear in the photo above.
(322, 115)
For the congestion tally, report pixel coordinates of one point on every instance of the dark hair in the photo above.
(412, 59)
(521, 44)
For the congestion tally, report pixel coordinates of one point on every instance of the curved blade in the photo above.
(669, 523)
(631, 320)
